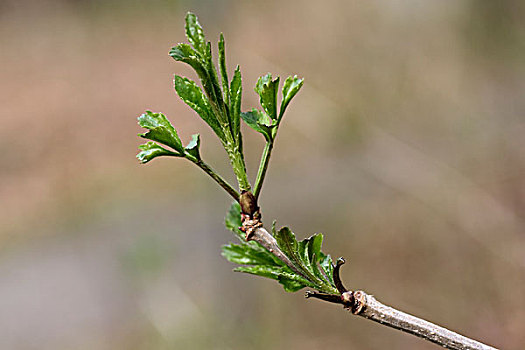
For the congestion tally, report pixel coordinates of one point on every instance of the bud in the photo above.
(248, 203)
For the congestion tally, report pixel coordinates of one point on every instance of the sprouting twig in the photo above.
(221, 110)
(365, 305)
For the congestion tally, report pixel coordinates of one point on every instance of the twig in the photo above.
(378, 312)
(365, 305)
(255, 232)
(359, 302)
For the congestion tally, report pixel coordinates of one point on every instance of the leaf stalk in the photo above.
(263, 167)
(216, 177)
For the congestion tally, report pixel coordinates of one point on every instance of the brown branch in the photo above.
(252, 226)
(260, 235)
(378, 312)
(365, 305)
(359, 302)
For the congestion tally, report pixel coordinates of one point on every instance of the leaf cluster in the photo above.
(267, 121)
(218, 103)
(315, 269)
(160, 130)
(217, 100)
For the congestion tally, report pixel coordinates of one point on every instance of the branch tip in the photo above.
(337, 278)
(331, 298)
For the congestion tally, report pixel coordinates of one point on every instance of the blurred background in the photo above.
(406, 148)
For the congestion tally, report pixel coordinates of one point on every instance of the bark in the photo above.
(388, 316)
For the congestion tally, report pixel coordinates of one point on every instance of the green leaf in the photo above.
(291, 285)
(291, 282)
(211, 83)
(224, 72)
(235, 103)
(206, 72)
(257, 259)
(218, 116)
(232, 221)
(313, 250)
(193, 146)
(267, 90)
(291, 87)
(160, 130)
(249, 254)
(307, 257)
(260, 122)
(326, 263)
(185, 53)
(193, 96)
(288, 244)
(195, 34)
(152, 150)
(199, 57)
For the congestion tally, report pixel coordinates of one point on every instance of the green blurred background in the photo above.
(406, 147)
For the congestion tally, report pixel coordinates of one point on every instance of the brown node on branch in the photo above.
(248, 203)
(250, 225)
(355, 301)
(250, 214)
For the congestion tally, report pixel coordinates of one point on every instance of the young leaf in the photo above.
(193, 96)
(267, 90)
(205, 70)
(293, 282)
(193, 146)
(291, 87)
(219, 118)
(160, 130)
(152, 150)
(233, 221)
(248, 254)
(260, 122)
(258, 261)
(326, 263)
(195, 34)
(199, 57)
(185, 53)
(306, 257)
(235, 103)
(224, 72)
(290, 281)
(212, 84)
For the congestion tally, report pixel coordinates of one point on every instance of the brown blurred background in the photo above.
(406, 147)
